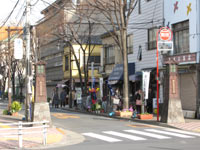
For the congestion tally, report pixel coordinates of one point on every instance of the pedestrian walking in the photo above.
(56, 99)
(63, 96)
(74, 98)
(138, 97)
(150, 101)
(52, 96)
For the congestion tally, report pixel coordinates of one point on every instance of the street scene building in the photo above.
(90, 73)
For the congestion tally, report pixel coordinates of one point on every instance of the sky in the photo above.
(7, 6)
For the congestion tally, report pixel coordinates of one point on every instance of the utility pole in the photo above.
(28, 88)
(70, 70)
(9, 69)
(9, 57)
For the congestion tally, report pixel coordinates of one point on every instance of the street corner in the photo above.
(197, 130)
(58, 137)
(65, 116)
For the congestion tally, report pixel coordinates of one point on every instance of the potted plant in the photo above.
(125, 113)
(15, 108)
(145, 116)
(97, 108)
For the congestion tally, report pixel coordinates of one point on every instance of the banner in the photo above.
(78, 95)
(145, 83)
(101, 86)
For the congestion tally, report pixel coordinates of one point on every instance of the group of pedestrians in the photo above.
(59, 100)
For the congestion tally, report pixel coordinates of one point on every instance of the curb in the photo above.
(125, 119)
(69, 138)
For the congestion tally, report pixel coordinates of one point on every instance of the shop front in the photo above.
(115, 79)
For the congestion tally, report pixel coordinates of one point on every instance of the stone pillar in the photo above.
(172, 108)
(41, 109)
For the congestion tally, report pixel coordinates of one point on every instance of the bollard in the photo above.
(44, 133)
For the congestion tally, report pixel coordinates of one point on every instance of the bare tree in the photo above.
(80, 30)
(20, 68)
(116, 13)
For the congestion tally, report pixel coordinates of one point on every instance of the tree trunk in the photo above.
(13, 84)
(126, 77)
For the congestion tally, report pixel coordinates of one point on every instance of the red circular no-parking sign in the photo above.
(165, 34)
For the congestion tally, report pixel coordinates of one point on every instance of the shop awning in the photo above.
(135, 77)
(118, 72)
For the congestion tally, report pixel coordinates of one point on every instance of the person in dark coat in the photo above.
(63, 96)
(150, 101)
(56, 99)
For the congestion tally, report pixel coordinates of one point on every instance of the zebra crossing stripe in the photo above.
(169, 133)
(183, 132)
(131, 137)
(102, 137)
(157, 136)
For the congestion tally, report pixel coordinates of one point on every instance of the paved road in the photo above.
(106, 133)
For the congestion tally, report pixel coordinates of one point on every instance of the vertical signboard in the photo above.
(145, 83)
(18, 48)
(101, 86)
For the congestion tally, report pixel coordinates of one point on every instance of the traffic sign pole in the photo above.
(165, 34)
(157, 78)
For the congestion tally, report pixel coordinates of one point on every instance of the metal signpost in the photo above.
(164, 43)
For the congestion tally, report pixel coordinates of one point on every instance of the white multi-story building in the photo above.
(144, 23)
(183, 18)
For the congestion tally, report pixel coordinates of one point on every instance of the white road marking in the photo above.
(131, 137)
(102, 137)
(169, 133)
(157, 136)
(183, 132)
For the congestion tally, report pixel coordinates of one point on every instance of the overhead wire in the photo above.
(34, 3)
(21, 8)
(6, 20)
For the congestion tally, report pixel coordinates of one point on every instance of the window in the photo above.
(109, 55)
(95, 59)
(181, 37)
(128, 2)
(66, 63)
(130, 44)
(139, 56)
(152, 38)
(139, 7)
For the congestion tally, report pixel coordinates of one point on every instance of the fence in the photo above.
(20, 126)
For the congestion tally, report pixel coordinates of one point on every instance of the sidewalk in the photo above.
(189, 125)
(56, 137)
